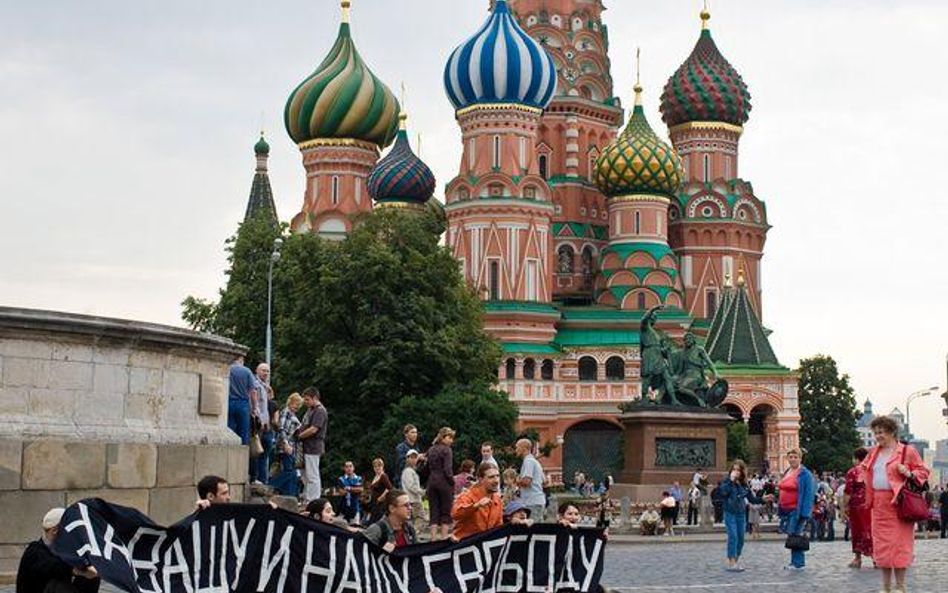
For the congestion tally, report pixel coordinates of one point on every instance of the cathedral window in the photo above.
(711, 303)
(546, 370)
(615, 369)
(707, 167)
(543, 164)
(511, 368)
(637, 225)
(496, 157)
(640, 304)
(523, 153)
(587, 262)
(531, 288)
(495, 280)
(335, 189)
(565, 255)
(471, 153)
(529, 369)
(358, 190)
(588, 369)
(530, 192)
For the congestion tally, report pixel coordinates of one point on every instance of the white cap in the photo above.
(412, 452)
(53, 517)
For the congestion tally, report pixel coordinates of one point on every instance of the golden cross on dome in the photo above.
(638, 76)
(705, 16)
(346, 5)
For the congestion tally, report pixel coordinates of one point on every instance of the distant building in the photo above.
(862, 426)
(940, 463)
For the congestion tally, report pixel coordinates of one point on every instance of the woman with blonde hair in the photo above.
(285, 445)
(890, 468)
(440, 489)
(377, 490)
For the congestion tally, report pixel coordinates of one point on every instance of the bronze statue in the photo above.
(655, 372)
(689, 366)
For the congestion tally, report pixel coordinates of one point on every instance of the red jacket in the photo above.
(913, 461)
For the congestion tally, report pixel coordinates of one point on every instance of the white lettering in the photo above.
(432, 559)
(92, 547)
(401, 581)
(151, 564)
(281, 557)
(310, 568)
(477, 575)
(532, 585)
(505, 567)
(589, 562)
(490, 547)
(111, 544)
(176, 564)
(350, 574)
(240, 547)
(567, 580)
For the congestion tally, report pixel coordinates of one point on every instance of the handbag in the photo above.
(256, 447)
(797, 542)
(910, 503)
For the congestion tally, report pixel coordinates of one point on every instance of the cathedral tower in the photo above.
(261, 202)
(582, 118)
(717, 224)
(340, 116)
(401, 179)
(499, 207)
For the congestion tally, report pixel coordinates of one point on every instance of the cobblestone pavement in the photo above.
(699, 568)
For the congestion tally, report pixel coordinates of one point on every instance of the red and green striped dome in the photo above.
(342, 99)
(705, 88)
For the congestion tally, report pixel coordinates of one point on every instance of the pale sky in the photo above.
(128, 130)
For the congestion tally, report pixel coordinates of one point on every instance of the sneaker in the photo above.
(792, 567)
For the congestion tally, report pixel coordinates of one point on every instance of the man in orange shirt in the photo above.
(479, 508)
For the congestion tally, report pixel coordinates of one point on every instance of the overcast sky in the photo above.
(127, 133)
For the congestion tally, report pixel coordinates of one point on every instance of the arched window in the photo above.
(335, 189)
(637, 224)
(495, 280)
(546, 370)
(496, 152)
(588, 369)
(640, 303)
(565, 255)
(711, 303)
(615, 369)
(707, 167)
(587, 261)
(471, 153)
(544, 172)
(511, 369)
(529, 369)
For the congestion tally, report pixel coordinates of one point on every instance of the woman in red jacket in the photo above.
(887, 468)
(859, 514)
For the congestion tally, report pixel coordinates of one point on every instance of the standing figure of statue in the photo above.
(689, 369)
(656, 375)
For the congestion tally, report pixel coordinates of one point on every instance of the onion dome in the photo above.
(638, 162)
(500, 64)
(401, 176)
(706, 87)
(261, 148)
(342, 98)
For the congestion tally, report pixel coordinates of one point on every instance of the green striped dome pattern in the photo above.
(638, 162)
(342, 99)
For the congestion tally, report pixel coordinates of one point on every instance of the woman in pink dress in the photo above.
(888, 468)
(860, 515)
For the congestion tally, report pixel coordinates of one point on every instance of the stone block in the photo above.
(11, 464)
(70, 375)
(99, 408)
(110, 355)
(169, 505)
(25, 372)
(180, 384)
(9, 563)
(238, 464)
(148, 359)
(53, 403)
(131, 465)
(23, 514)
(127, 497)
(211, 401)
(144, 381)
(110, 378)
(175, 465)
(25, 348)
(61, 465)
(14, 400)
(210, 460)
(148, 408)
(72, 352)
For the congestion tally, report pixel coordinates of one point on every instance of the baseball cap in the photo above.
(515, 506)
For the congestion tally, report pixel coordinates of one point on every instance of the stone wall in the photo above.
(130, 412)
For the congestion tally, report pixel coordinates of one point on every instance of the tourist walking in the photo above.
(857, 512)
(411, 484)
(351, 484)
(240, 390)
(667, 506)
(531, 480)
(479, 508)
(313, 437)
(409, 442)
(797, 491)
(889, 468)
(378, 488)
(260, 411)
(285, 447)
(394, 529)
(41, 570)
(735, 493)
(440, 489)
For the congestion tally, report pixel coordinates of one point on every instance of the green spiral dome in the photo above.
(342, 99)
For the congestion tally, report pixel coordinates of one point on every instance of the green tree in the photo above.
(827, 414)
(737, 432)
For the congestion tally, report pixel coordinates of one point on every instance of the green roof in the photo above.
(603, 314)
(731, 370)
(624, 250)
(577, 338)
(521, 306)
(736, 336)
(528, 348)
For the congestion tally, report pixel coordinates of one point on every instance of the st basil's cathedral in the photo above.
(569, 219)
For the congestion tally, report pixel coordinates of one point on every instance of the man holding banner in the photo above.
(479, 508)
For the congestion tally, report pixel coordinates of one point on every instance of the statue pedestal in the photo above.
(664, 444)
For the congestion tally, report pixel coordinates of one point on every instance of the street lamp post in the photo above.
(274, 258)
(908, 402)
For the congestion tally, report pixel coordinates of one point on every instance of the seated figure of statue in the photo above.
(655, 372)
(689, 366)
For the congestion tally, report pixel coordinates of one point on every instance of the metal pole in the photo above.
(269, 310)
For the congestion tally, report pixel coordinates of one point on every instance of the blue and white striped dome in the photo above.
(500, 64)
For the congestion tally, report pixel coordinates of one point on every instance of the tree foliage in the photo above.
(737, 432)
(372, 320)
(828, 415)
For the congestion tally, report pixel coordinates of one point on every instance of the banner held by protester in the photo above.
(255, 548)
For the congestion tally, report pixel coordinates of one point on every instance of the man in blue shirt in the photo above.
(238, 401)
